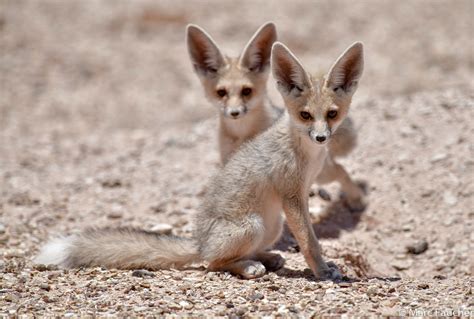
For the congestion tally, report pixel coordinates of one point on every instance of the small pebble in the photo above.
(427, 193)
(142, 273)
(11, 298)
(186, 305)
(158, 208)
(241, 311)
(45, 286)
(402, 264)
(418, 247)
(450, 199)
(115, 212)
(438, 157)
(174, 306)
(256, 296)
(145, 284)
(112, 183)
(42, 267)
(371, 291)
(423, 286)
(162, 229)
(329, 296)
(277, 288)
(14, 253)
(48, 299)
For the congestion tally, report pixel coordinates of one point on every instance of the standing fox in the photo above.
(238, 87)
(240, 217)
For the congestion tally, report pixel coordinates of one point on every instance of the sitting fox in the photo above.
(238, 88)
(241, 214)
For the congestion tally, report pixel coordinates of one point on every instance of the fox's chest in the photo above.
(246, 127)
(314, 166)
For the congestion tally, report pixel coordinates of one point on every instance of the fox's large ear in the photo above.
(288, 72)
(346, 72)
(203, 51)
(256, 54)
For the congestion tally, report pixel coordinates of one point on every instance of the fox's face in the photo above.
(317, 106)
(235, 85)
(235, 90)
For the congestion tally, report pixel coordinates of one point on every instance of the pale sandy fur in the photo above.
(240, 216)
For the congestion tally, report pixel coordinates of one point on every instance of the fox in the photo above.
(237, 87)
(240, 217)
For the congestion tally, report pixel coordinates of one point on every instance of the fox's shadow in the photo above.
(330, 222)
(308, 275)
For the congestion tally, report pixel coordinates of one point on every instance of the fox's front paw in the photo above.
(357, 204)
(329, 272)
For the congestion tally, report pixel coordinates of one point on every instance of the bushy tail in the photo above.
(121, 248)
(344, 140)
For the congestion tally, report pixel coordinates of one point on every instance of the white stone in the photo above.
(162, 229)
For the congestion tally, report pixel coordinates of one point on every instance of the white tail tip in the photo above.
(55, 252)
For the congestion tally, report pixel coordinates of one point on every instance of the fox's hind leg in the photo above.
(229, 246)
(246, 268)
(353, 194)
(271, 261)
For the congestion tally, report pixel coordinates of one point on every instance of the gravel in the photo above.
(104, 124)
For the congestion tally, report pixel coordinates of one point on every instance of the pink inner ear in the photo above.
(256, 55)
(205, 55)
(284, 69)
(287, 70)
(347, 70)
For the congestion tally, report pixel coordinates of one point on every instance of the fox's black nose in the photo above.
(235, 113)
(320, 138)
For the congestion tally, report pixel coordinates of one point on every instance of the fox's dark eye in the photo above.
(246, 91)
(305, 115)
(221, 92)
(332, 114)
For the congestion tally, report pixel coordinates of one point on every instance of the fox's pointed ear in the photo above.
(288, 72)
(347, 70)
(257, 52)
(203, 51)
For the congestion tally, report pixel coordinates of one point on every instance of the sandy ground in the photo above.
(103, 123)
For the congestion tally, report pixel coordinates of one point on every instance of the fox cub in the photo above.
(238, 88)
(240, 216)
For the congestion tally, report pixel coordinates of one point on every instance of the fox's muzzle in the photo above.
(235, 112)
(320, 137)
(320, 132)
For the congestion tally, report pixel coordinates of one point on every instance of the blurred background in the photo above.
(123, 64)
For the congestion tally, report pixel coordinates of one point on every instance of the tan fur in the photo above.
(255, 113)
(240, 216)
(217, 71)
(128, 248)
